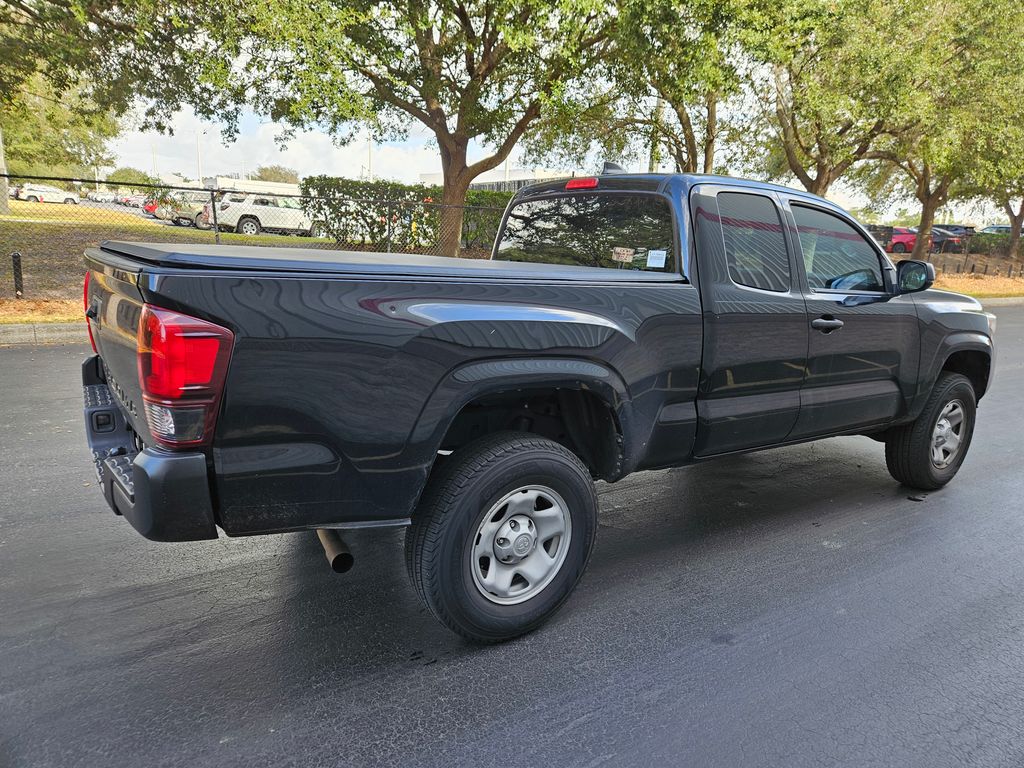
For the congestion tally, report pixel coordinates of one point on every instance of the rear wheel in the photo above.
(200, 222)
(70, 201)
(928, 452)
(502, 535)
(899, 248)
(32, 199)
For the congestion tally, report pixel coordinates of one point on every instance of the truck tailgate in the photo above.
(113, 307)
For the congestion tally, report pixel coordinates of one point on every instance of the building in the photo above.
(236, 184)
(501, 179)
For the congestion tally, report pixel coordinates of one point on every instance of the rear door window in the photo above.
(609, 230)
(755, 247)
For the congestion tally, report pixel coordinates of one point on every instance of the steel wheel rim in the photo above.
(948, 434)
(248, 228)
(520, 544)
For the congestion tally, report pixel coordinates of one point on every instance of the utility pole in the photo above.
(369, 155)
(5, 206)
(199, 160)
(655, 156)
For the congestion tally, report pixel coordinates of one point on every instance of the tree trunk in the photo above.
(5, 206)
(1016, 220)
(453, 198)
(711, 129)
(929, 206)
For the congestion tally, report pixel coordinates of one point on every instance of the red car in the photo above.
(150, 206)
(903, 240)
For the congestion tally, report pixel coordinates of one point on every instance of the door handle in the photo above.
(826, 324)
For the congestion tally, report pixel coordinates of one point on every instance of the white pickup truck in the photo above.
(250, 213)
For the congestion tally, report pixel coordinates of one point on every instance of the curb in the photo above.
(74, 333)
(42, 333)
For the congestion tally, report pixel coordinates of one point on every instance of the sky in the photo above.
(308, 153)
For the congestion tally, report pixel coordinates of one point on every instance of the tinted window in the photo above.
(836, 256)
(755, 247)
(615, 231)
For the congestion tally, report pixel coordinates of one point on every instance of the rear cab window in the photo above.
(611, 230)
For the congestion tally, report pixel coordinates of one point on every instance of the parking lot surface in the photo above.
(788, 608)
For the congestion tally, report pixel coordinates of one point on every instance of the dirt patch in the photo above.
(32, 311)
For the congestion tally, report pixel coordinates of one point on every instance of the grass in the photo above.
(982, 286)
(52, 240)
(34, 311)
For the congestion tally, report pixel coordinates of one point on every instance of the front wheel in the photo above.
(502, 535)
(928, 452)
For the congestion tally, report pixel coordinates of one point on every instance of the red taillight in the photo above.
(182, 365)
(85, 306)
(584, 182)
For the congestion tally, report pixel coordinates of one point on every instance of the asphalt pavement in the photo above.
(788, 608)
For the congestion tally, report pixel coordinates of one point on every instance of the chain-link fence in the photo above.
(48, 222)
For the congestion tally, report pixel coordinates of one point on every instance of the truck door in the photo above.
(864, 348)
(755, 321)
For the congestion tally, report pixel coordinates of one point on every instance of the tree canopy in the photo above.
(278, 173)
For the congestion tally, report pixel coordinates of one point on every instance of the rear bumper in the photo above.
(164, 495)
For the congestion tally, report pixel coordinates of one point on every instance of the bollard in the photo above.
(19, 279)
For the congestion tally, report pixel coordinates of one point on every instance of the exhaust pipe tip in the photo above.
(339, 557)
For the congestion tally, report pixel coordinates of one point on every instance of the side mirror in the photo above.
(914, 276)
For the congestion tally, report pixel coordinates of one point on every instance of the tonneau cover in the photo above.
(314, 260)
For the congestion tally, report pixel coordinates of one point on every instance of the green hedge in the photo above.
(990, 244)
(399, 216)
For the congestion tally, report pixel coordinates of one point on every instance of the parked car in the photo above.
(44, 193)
(945, 241)
(12, 191)
(250, 213)
(262, 390)
(135, 201)
(102, 197)
(149, 205)
(187, 208)
(903, 240)
(995, 229)
(960, 230)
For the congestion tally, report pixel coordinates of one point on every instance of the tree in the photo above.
(278, 173)
(675, 65)
(471, 71)
(132, 178)
(113, 54)
(829, 81)
(965, 135)
(50, 135)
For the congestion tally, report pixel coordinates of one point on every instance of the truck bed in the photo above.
(368, 263)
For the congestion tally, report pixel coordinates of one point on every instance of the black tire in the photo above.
(908, 449)
(458, 500)
(32, 199)
(899, 248)
(248, 220)
(70, 201)
(198, 222)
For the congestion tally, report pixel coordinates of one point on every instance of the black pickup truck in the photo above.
(623, 323)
